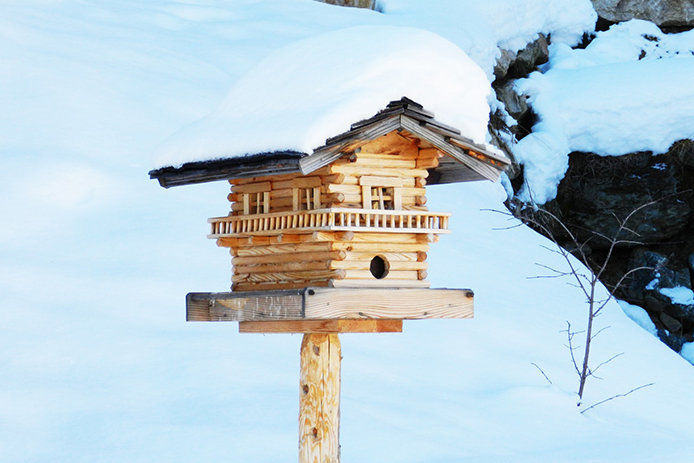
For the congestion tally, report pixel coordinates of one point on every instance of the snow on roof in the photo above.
(310, 90)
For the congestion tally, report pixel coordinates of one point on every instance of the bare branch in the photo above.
(543, 373)
(607, 361)
(616, 396)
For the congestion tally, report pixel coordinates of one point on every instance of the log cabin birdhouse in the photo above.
(351, 214)
(336, 241)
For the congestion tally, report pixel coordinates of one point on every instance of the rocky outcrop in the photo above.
(513, 65)
(596, 190)
(370, 4)
(668, 13)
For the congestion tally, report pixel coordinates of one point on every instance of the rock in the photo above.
(670, 323)
(662, 12)
(370, 4)
(516, 105)
(595, 189)
(683, 151)
(673, 341)
(513, 65)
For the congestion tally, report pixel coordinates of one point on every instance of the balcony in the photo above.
(332, 219)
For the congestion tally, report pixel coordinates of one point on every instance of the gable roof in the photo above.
(466, 160)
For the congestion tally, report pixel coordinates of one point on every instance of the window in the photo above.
(256, 203)
(383, 193)
(383, 198)
(306, 199)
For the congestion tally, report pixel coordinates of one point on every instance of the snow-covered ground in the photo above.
(630, 90)
(97, 361)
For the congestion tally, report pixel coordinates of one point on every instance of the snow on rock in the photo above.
(482, 29)
(639, 316)
(315, 88)
(679, 295)
(629, 90)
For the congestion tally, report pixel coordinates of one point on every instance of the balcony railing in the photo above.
(333, 219)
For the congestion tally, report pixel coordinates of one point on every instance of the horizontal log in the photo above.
(322, 326)
(383, 283)
(366, 265)
(283, 267)
(289, 247)
(394, 162)
(284, 257)
(392, 275)
(379, 247)
(241, 287)
(381, 181)
(289, 276)
(362, 154)
(252, 187)
(390, 256)
(427, 163)
(350, 169)
(265, 178)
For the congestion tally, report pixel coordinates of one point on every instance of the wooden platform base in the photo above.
(324, 304)
(322, 326)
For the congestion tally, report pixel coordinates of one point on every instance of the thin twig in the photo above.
(543, 373)
(616, 396)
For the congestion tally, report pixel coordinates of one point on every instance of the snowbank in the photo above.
(315, 88)
(482, 29)
(98, 363)
(629, 90)
(639, 316)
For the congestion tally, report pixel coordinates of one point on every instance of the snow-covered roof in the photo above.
(294, 99)
(466, 159)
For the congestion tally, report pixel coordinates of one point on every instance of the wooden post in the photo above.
(319, 402)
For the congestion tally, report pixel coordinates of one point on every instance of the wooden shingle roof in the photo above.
(466, 160)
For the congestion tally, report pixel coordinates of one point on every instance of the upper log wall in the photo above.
(392, 161)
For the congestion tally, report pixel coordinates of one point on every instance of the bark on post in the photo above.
(319, 402)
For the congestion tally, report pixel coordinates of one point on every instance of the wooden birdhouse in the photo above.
(336, 240)
(351, 214)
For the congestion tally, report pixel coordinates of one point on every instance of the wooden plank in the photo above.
(381, 181)
(366, 196)
(249, 306)
(314, 303)
(366, 264)
(276, 267)
(396, 303)
(393, 162)
(246, 204)
(307, 275)
(289, 247)
(290, 256)
(322, 326)
(252, 187)
(295, 199)
(349, 169)
(242, 288)
(319, 399)
(380, 247)
(384, 283)
(397, 198)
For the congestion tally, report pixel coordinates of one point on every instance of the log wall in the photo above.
(389, 172)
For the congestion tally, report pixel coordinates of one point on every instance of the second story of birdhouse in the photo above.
(371, 178)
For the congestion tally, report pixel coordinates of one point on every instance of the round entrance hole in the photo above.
(379, 267)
